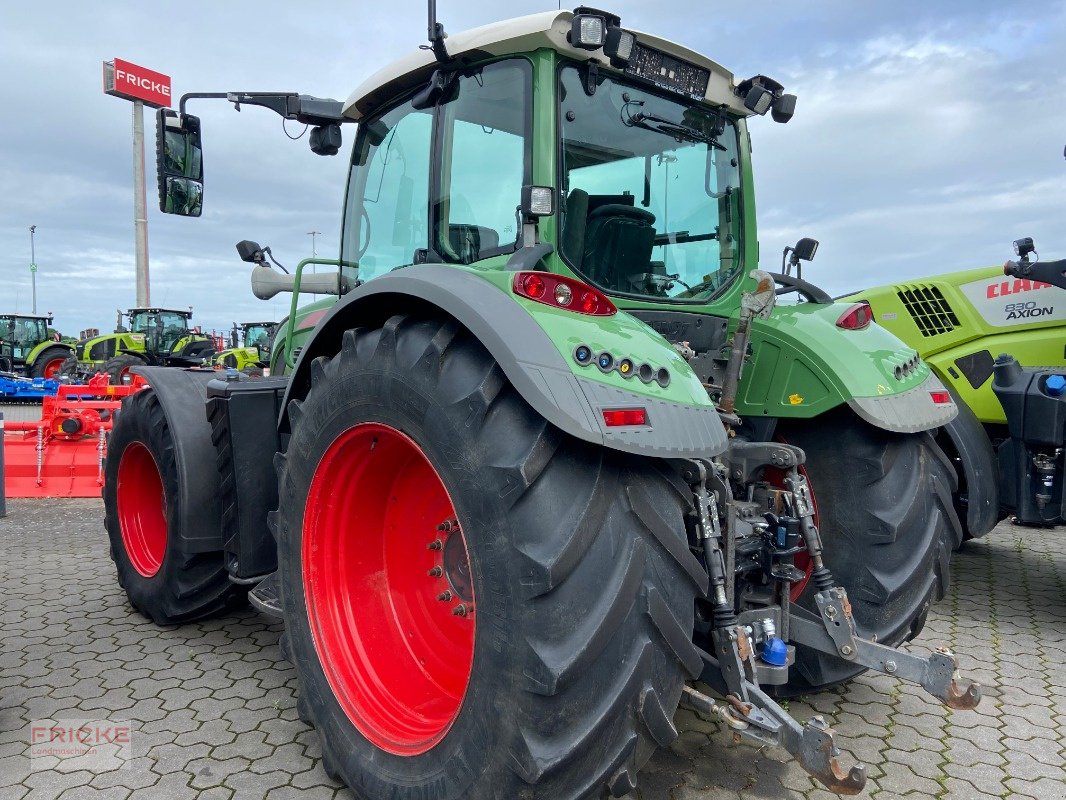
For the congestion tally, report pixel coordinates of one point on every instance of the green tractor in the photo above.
(960, 322)
(26, 348)
(249, 348)
(155, 337)
(550, 453)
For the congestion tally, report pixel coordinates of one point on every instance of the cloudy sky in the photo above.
(928, 135)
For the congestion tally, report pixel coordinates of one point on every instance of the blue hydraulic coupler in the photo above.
(775, 652)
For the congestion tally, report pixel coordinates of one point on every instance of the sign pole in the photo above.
(33, 266)
(140, 207)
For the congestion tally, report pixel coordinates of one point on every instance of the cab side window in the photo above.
(484, 142)
(387, 208)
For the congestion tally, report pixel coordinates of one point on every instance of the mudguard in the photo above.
(41, 347)
(532, 360)
(980, 472)
(183, 396)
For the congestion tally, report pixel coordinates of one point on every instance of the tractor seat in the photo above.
(618, 243)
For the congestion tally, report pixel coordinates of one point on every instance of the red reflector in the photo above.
(616, 417)
(940, 398)
(856, 317)
(553, 290)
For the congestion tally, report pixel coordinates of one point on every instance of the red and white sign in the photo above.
(123, 79)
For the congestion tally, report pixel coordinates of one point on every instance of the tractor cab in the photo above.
(613, 157)
(258, 335)
(20, 333)
(26, 347)
(162, 328)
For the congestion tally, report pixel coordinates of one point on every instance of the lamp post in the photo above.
(33, 266)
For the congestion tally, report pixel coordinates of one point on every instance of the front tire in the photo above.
(566, 674)
(888, 527)
(158, 551)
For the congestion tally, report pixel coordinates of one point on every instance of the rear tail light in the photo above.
(940, 398)
(562, 292)
(619, 417)
(857, 317)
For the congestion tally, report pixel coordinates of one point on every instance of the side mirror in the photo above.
(250, 251)
(179, 163)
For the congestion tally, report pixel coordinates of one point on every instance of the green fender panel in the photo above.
(36, 351)
(804, 365)
(534, 344)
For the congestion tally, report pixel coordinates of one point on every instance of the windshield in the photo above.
(652, 191)
(257, 336)
(164, 327)
(22, 331)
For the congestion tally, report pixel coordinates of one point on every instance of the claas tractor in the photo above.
(26, 348)
(154, 336)
(549, 460)
(249, 348)
(961, 323)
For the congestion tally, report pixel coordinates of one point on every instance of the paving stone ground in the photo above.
(213, 707)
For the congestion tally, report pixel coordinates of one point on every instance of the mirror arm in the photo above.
(300, 107)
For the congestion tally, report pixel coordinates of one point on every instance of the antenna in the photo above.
(437, 35)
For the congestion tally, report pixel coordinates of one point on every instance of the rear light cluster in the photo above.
(940, 397)
(585, 355)
(563, 292)
(857, 317)
(623, 417)
(907, 367)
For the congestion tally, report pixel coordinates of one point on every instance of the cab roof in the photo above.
(520, 35)
(183, 311)
(20, 315)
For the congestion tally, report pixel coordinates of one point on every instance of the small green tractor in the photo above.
(249, 348)
(960, 322)
(26, 348)
(154, 337)
(549, 461)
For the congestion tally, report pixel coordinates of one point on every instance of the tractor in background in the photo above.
(154, 337)
(960, 323)
(249, 348)
(550, 452)
(27, 349)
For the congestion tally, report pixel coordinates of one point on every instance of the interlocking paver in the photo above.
(213, 708)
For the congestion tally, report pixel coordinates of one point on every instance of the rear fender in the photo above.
(804, 365)
(529, 342)
(40, 348)
(966, 443)
(183, 397)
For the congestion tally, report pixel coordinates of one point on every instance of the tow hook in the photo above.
(763, 720)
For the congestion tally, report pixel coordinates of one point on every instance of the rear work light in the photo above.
(620, 417)
(857, 317)
(940, 398)
(562, 292)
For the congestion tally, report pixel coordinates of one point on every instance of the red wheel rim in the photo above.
(802, 560)
(375, 565)
(141, 509)
(52, 367)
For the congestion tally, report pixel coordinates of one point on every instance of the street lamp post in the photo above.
(33, 266)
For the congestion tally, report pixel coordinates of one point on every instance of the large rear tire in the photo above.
(118, 368)
(50, 362)
(158, 552)
(574, 558)
(888, 527)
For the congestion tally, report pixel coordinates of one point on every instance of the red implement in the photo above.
(62, 454)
